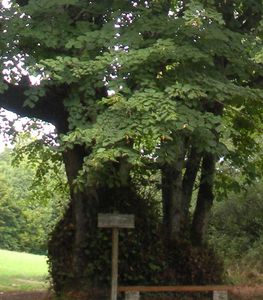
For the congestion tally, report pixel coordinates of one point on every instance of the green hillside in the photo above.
(22, 271)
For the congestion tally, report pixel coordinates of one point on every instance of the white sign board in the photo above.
(115, 221)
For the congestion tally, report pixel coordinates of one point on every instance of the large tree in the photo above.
(167, 87)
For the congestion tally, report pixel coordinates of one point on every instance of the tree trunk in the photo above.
(71, 247)
(177, 190)
(172, 194)
(204, 199)
(84, 208)
(191, 170)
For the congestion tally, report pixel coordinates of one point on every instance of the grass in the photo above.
(22, 271)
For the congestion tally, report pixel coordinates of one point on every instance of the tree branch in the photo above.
(49, 108)
(22, 2)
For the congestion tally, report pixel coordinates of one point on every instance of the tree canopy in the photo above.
(164, 87)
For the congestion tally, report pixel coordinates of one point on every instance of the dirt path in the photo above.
(24, 296)
(236, 293)
(248, 292)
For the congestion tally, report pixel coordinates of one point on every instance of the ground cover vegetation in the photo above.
(139, 92)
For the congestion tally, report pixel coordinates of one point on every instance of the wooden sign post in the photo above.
(115, 221)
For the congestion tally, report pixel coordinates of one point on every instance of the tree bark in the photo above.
(192, 167)
(84, 207)
(204, 199)
(172, 194)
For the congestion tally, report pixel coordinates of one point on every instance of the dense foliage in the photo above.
(236, 227)
(168, 88)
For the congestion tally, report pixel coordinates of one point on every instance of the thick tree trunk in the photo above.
(84, 208)
(79, 252)
(177, 188)
(191, 170)
(204, 199)
(172, 194)
(205, 195)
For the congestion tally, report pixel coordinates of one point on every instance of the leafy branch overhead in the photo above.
(184, 72)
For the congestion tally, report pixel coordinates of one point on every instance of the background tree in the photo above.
(136, 87)
(29, 210)
(236, 222)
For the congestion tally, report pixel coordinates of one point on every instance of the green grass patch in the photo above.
(22, 271)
